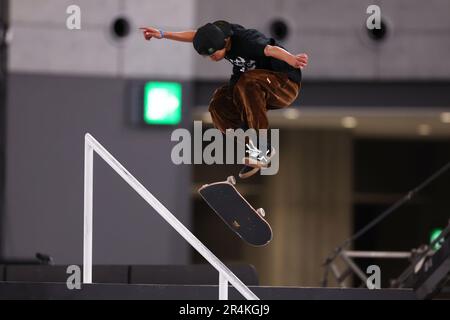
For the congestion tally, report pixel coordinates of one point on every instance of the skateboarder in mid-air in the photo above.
(265, 76)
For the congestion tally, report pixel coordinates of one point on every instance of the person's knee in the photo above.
(214, 108)
(221, 98)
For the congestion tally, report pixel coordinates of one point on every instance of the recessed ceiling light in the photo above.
(349, 122)
(291, 114)
(445, 117)
(424, 129)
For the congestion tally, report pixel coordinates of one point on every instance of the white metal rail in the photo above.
(91, 145)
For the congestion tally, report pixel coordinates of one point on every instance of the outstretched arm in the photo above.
(297, 61)
(184, 36)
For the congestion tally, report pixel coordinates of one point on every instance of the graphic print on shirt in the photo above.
(243, 64)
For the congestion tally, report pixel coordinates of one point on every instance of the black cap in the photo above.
(211, 37)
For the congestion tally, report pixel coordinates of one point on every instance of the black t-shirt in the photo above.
(247, 53)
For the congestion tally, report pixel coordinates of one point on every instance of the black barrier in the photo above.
(189, 275)
(51, 291)
(200, 274)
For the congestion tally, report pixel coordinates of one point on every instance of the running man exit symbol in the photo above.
(162, 103)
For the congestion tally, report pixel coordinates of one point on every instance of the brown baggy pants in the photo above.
(247, 103)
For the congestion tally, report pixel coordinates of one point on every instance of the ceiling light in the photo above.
(349, 122)
(291, 114)
(424, 129)
(206, 117)
(445, 117)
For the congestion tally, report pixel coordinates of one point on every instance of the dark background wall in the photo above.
(47, 119)
(384, 171)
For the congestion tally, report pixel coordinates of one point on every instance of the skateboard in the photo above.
(248, 223)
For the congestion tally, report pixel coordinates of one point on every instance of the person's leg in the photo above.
(260, 90)
(224, 113)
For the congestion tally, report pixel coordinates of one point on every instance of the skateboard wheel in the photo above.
(261, 212)
(231, 180)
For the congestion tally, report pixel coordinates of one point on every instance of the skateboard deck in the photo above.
(236, 212)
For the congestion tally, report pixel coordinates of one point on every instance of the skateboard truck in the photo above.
(232, 180)
(261, 212)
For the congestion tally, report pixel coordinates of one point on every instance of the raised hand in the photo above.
(300, 61)
(150, 33)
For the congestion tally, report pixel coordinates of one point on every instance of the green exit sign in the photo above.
(435, 233)
(162, 103)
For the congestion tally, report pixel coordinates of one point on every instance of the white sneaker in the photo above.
(256, 158)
